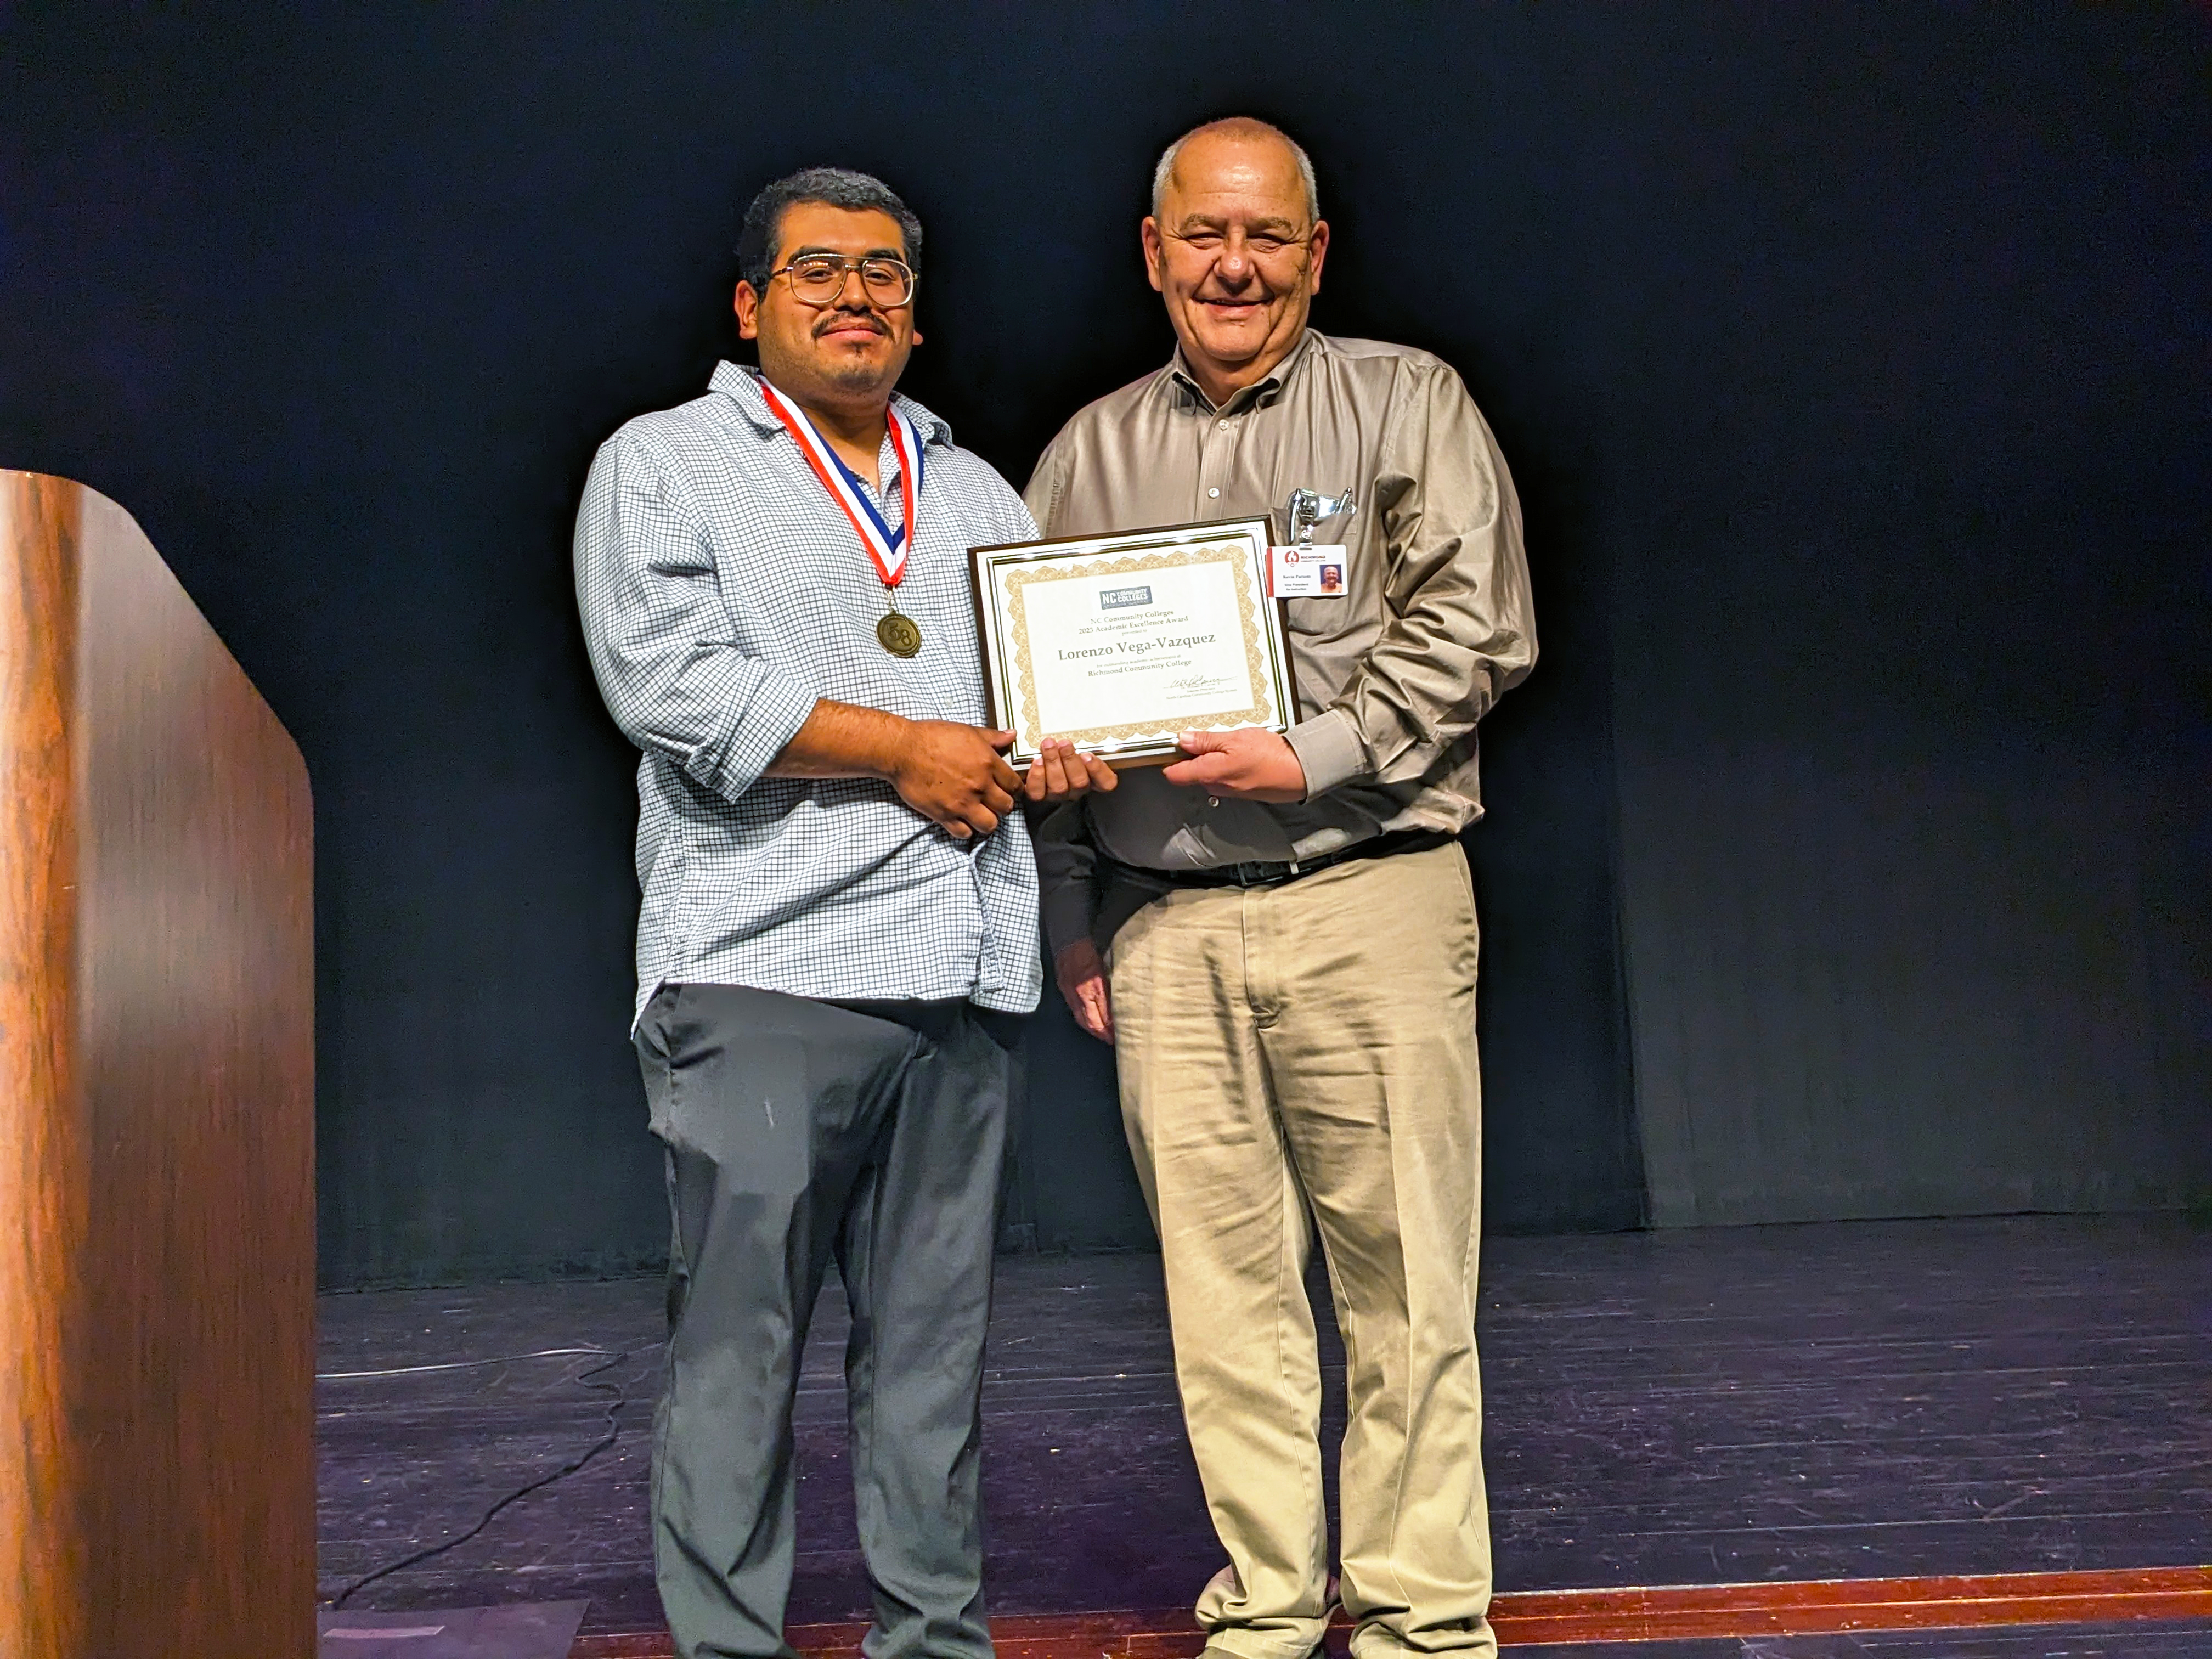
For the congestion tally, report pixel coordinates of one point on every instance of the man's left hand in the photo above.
(1061, 772)
(1251, 763)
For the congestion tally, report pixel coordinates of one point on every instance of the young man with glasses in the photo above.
(1278, 934)
(838, 923)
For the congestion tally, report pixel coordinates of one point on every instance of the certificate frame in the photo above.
(1223, 562)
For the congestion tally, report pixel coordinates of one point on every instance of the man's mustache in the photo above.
(848, 320)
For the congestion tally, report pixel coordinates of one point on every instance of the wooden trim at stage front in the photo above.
(1668, 1614)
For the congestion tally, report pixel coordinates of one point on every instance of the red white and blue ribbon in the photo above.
(887, 547)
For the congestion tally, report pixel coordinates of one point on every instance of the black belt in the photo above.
(1270, 872)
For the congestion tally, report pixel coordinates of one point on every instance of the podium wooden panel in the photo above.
(156, 1114)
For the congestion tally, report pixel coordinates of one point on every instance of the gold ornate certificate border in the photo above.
(997, 572)
(1232, 553)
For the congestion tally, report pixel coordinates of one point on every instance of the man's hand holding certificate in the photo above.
(1249, 764)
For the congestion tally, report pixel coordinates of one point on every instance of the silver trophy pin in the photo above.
(1310, 507)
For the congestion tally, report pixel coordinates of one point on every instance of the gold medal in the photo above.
(899, 634)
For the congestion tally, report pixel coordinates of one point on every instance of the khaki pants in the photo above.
(1312, 1046)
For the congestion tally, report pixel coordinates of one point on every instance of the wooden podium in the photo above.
(157, 1242)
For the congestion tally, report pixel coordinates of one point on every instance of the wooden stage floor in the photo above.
(1755, 1407)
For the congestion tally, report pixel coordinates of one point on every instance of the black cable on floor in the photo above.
(614, 1431)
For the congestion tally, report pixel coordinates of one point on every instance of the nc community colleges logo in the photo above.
(1119, 599)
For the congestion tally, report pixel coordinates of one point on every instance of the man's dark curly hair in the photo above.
(838, 187)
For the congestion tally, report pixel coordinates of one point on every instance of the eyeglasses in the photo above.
(818, 279)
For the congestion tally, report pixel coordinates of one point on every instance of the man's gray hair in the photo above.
(838, 187)
(1246, 125)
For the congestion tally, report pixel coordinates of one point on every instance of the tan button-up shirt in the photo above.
(1435, 623)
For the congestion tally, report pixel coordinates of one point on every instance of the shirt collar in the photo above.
(1261, 391)
(741, 385)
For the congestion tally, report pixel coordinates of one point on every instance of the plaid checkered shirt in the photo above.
(723, 594)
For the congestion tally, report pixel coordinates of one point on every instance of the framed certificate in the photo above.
(1118, 643)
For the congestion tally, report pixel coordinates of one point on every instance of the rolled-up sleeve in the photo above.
(1459, 628)
(660, 636)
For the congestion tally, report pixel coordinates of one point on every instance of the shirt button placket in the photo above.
(1220, 446)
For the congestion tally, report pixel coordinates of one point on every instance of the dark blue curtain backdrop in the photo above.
(1846, 847)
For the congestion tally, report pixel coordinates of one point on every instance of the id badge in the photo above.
(1307, 573)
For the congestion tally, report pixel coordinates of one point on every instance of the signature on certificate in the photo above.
(1197, 683)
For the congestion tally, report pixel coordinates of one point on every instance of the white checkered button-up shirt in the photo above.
(723, 594)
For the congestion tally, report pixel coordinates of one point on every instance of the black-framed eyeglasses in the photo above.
(818, 279)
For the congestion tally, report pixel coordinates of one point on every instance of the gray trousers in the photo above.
(795, 1131)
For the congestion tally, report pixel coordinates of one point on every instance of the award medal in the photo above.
(897, 633)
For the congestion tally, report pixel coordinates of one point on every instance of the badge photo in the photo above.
(1307, 572)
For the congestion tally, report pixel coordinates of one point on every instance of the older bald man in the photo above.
(1278, 934)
